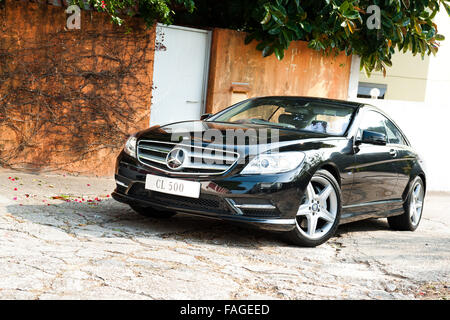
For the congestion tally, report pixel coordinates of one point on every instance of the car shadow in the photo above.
(369, 225)
(108, 218)
(111, 219)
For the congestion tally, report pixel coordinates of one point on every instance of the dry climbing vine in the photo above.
(69, 94)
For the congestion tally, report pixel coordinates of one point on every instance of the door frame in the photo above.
(206, 63)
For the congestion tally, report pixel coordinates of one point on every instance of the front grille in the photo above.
(196, 159)
(207, 202)
(203, 203)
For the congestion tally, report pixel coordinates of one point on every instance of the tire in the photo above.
(322, 207)
(152, 212)
(410, 219)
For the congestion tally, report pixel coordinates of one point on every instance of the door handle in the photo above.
(393, 152)
(192, 101)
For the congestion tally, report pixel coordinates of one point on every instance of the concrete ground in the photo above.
(54, 245)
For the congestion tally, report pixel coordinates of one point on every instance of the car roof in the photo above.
(336, 102)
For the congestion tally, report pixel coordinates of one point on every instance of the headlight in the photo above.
(130, 146)
(274, 163)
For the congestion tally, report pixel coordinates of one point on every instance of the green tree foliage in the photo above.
(150, 10)
(330, 26)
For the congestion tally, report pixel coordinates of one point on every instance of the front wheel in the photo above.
(319, 212)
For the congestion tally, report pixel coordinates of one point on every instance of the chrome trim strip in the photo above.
(255, 206)
(152, 158)
(121, 184)
(373, 203)
(232, 204)
(156, 149)
(212, 156)
(193, 165)
(238, 207)
(277, 221)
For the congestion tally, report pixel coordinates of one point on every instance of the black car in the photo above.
(296, 165)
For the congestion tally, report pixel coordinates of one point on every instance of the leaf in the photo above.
(344, 6)
(249, 38)
(351, 14)
(399, 34)
(267, 51)
(287, 36)
(346, 29)
(298, 33)
(447, 7)
(430, 34)
(275, 30)
(306, 26)
(279, 53)
(359, 9)
(421, 45)
(312, 44)
(417, 27)
(433, 49)
(406, 22)
(260, 46)
(351, 26)
(303, 16)
(266, 18)
(278, 20)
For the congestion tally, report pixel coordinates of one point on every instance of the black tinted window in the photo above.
(291, 113)
(373, 121)
(393, 134)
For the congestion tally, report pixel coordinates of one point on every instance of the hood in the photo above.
(219, 133)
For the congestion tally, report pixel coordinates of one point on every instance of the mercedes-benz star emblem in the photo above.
(175, 159)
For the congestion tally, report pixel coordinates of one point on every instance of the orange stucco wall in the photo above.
(302, 72)
(68, 98)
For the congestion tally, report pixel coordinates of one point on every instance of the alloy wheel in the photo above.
(416, 204)
(317, 212)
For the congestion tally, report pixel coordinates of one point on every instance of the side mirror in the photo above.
(205, 116)
(371, 137)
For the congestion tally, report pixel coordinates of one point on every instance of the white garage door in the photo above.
(180, 74)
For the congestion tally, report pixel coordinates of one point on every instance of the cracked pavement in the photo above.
(63, 237)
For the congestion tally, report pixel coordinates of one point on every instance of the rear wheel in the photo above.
(152, 212)
(319, 212)
(409, 220)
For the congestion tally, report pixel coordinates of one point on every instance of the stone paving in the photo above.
(63, 237)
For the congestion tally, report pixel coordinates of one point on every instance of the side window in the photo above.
(373, 121)
(393, 134)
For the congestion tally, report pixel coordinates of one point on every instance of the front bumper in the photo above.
(266, 202)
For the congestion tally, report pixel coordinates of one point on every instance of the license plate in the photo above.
(177, 187)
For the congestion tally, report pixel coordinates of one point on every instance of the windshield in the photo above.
(299, 114)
